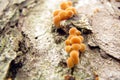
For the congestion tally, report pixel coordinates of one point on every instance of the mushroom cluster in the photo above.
(74, 45)
(66, 12)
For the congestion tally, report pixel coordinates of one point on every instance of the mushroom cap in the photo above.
(70, 36)
(56, 12)
(56, 20)
(82, 48)
(69, 13)
(64, 5)
(67, 42)
(74, 53)
(69, 3)
(78, 32)
(72, 31)
(81, 37)
(68, 48)
(75, 56)
(62, 15)
(73, 9)
(70, 63)
(75, 39)
(76, 47)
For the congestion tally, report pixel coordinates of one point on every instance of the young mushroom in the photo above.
(70, 63)
(75, 56)
(68, 48)
(66, 12)
(74, 46)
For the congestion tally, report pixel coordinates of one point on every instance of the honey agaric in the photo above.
(75, 56)
(56, 12)
(74, 45)
(75, 39)
(72, 9)
(74, 53)
(72, 31)
(67, 48)
(78, 32)
(69, 3)
(82, 48)
(82, 39)
(57, 21)
(67, 42)
(64, 5)
(69, 14)
(70, 63)
(62, 15)
(66, 12)
(70, 36)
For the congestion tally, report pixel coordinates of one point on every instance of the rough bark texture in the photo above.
(32, 49)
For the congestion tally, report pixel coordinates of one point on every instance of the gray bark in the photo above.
(30, 49)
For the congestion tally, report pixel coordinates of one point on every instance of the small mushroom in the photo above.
(81, 37)
(70, 63)
(75, 56)
(69, 3)
(75, 39)
(72, 31)
(78, 32)
(56, 12)
(82, 48)
(69, 14)
(72, 9)
(67, 42)
(76, 47)
(62, 15)
(57, 21)
(64, 5)
(68, 48)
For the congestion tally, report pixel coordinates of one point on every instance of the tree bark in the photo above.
(31, 48)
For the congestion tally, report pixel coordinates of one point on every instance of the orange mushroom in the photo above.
(67, 42)
(82, 48)
(70, 63)
(56, 12)
(76, 47)
(75, 39)
(57, 21)
(69, 14)
(68, 48)
(70, 36)
(82, 39)
(64, 5)
(75, 56)
(73, 46)
(78, 32)
(62, 15)
(72, 9)
(66, 12)
(69, 3)
(72, 31)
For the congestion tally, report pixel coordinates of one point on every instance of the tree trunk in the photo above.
(31, 48)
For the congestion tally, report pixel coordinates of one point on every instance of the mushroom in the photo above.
(66, 12)
(76, 47)
(70, 63)
(73, 46)
(72, 31)
(57, 21)
(82, 48)
(75, 39)
(67, 42)
(56, 12)
(75, 56)
(68, 48)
